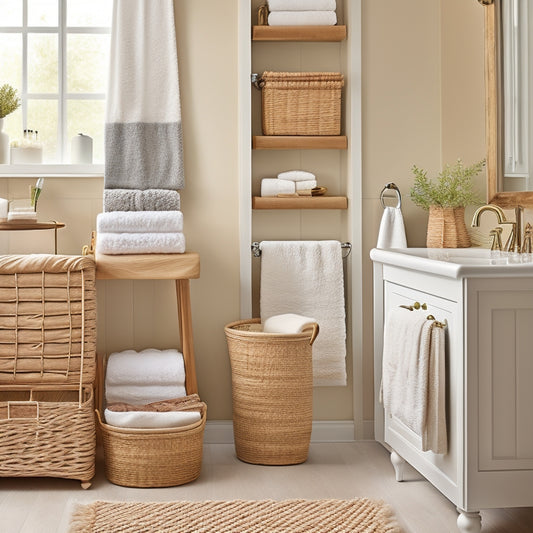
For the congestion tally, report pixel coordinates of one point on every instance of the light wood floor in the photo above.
(340, 470)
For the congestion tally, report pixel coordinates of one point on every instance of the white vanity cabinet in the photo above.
(488, 306)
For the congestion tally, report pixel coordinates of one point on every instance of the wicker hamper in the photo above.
(301, 103)
(272, 391)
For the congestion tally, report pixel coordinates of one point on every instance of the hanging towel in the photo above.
(140, 222)
(302, 18)
(273, 187)
(288, 323)
(143, 131)
(140, 243)
(296, 175)
(137, 200)
(306, 278)
(392, 230)
(302, 5)
(413, 376)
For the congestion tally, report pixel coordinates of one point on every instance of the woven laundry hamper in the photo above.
(272, 392)
(301, 103)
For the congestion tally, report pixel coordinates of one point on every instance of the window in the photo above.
(55, 53)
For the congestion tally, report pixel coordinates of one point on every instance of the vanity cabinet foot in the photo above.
(468, 522)
(398, 463)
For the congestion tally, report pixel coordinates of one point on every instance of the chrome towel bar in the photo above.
(256, 248)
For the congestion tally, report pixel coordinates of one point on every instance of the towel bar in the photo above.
(256, 248)
(424, 306)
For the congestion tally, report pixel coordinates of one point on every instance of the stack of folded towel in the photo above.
(289, 183)
(302, 12)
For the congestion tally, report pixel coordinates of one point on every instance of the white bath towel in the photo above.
(296, 175)
(305, 185)
(142, 394)
(140, 222)
(143, 132)
(140, 243)
(302, 5)
(137, 200)
(150, 419)
(411, 380)
(302, 18)
(288, 323)
(147, 367)
(306, 278)
(392, 230)
(273, 187)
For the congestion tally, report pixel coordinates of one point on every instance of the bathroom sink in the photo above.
(457, 262)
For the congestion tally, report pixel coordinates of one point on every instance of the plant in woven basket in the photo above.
(446, 198)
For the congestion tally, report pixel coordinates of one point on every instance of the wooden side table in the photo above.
(25, 226)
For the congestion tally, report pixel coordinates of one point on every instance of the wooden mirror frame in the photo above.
(493, 103)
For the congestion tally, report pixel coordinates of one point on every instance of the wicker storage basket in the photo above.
(47, 433)
(447, 228)
(301, 103)
(153, 457)
(272, 391)
(47, 319)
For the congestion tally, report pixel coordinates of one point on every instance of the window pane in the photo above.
(11, 60)
(11, 13)
(42, 63)
(42, 13)
(42, 117)
(94, 13)
(87, 63)
(87, 117)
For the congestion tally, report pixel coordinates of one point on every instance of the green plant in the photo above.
(9, 101)
(452, 187)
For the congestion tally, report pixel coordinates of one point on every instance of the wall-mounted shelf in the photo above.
(299, 33)
(302, 202)
(299, 142)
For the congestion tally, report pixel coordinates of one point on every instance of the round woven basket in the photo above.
(272, 392)
(447, 228)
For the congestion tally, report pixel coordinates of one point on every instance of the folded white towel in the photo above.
(151, 419)
(22, 215)
(305, 185)
(273, 187)
(288, 323)
(392, 229)
(296, 175)
(140, 243)
(140, 222)
(142, 394)
(302, 18)
(302, 5)
(148, 367)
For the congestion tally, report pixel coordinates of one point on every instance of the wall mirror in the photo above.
(509, 101)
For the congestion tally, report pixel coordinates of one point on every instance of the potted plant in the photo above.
(9, 102)
(445, 198)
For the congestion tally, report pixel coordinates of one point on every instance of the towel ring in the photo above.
(391, 187)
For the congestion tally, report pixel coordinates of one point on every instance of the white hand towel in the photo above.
(302, 5)
(140, 243)
(392, 229)
(306, 278)
(140, 222)
(150, 419)
(143, 394)
(273, 187)
(302, 18)
(296, 175)
(22, 215)
(148, 367)
(305, 185)
(288, 323)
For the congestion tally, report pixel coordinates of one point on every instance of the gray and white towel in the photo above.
(137, 200)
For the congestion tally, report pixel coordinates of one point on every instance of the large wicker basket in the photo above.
(272, 391)
(301, 103)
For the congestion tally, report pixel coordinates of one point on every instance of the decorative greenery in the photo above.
(452, 187)
(9, 101)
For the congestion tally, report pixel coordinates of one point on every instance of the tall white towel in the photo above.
(273, 187)
(288, 323)
(302, 18)
(296, 175)
(140, 222)
(143, 117)
(140, 243)
(143, 394)
(392, 230)
(306, 278)
(413, 376)
(302, 5)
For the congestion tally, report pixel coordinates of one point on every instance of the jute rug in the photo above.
(237, 516)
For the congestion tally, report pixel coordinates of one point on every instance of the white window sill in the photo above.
(51, 171)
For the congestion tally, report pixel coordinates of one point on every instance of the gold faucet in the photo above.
(514, 242)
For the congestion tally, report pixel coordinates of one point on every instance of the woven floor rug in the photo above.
(237, 516)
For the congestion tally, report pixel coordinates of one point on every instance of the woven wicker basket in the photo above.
(272, 391)
(153, 457)
(447, 228)
(301, 103)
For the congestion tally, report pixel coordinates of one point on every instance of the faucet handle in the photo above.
(496, 235)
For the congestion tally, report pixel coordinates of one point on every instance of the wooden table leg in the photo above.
(185, 325)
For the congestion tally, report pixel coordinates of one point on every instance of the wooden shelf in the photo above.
(299, 142)
(17, 225)
(302, 202)
(299, 33)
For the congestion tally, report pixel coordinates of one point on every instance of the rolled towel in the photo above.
(305, 185)
(296, 175)
(140, 222)
(140, 243)
(302, 18)
(302, 5)
(185, 403)
(141, 200)
(273, 187)
(288, 323)
(143, 419)
(142, 394)
(148, 367)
